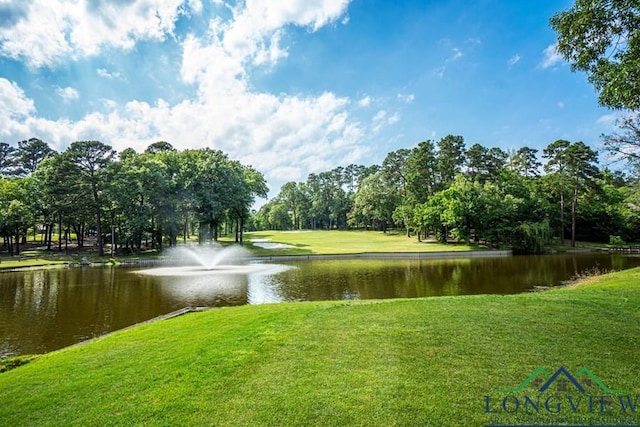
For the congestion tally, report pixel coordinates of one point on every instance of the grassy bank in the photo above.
(399, 362)
(323, 242)
(9, 263)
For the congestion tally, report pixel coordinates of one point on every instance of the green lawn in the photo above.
(308, 242)
(8, 262)
(396, 362)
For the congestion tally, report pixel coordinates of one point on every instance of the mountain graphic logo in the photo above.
(563, 380)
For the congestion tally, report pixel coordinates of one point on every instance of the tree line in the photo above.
(472, 194)
(132, 200)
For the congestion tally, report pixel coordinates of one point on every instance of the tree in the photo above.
(450, 159)
(90, 159)
(484, 164)
(374, 203)
(395, 172)
(421, 172)
(625, 145)
(293, 198)
(29, 154)
(574, 167)
(15, 215)
(556, 170)
(583, 170)
(602, 38)
(159, 147)
(525, 162)
(6, 158)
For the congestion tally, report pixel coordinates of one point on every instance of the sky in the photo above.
(291, 87)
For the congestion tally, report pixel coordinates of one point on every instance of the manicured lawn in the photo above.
(343, 242)
(397, 362)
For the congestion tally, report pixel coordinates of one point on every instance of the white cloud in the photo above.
(16, 108)
(551, 56)
(52, 31)
(514, 60)
(108, 74)
(380, 115)
(284, 136)
(408, 98)
(611, 119)
(382, 118)
(560, 104)
(364, 101)
(457, 54)
(67, 93)
(13, 100)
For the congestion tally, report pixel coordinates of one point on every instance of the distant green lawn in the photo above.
(308, 242)
(428, 362)
(8, 262)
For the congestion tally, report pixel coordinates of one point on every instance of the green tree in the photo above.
(374, 203)
(450, 158)
(29, 154)
(556, 168)
(6, 159)
(89, 160)
(525, 162)
(15, 212)
(572, 167)
(602, 38)
(582, 170)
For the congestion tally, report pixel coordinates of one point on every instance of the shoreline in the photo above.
(391, 255)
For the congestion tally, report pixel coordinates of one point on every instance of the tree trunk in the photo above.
(10, 243)
(60, 232)
(574, 203)
(562, 218)
(186, 227)
(17, 241)
(96, 199)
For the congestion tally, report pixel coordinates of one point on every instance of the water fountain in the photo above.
(209, 260)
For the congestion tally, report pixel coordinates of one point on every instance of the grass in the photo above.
(8, 262)
(346, 242)
(412, 362)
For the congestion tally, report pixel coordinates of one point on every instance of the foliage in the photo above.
(531, 238)
(602, 38)
(133, 200)
(616, 241)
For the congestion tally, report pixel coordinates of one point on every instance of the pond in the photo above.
(44, 310)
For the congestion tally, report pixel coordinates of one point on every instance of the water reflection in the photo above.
(48, 309)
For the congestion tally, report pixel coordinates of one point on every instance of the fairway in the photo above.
(322, 242)
(427, 361)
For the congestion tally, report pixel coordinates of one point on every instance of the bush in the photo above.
(616, 241)
(531, 238)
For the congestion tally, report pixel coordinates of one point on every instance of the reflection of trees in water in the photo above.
(373, 279)
(44, 310)
(48, 309)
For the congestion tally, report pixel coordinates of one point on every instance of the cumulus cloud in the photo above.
(365, 101)
(51, 31)
(102, 72)
(408, 98)
(551, 56)
(67, 93)
(16, 108)
(286, 136)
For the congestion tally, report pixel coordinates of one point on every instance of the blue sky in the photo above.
(290, 87)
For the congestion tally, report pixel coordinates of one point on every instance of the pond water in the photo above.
(43, 310)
